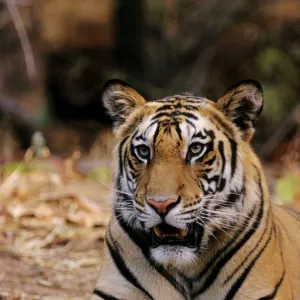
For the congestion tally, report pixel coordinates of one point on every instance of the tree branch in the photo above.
(23, 36)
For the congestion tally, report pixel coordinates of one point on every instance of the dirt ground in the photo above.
(27, 278)
(53, 220)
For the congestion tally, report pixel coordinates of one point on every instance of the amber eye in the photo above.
(196, 148)
(143, 151)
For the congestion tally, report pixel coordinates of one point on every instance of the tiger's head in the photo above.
(181, 166)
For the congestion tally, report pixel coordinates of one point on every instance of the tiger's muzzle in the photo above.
(166, 234)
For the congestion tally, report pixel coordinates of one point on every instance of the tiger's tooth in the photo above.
(157, 231)
(183, 233)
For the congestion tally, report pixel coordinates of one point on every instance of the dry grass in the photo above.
(52, 223)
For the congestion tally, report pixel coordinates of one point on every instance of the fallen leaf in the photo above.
(34, 223)
(88, 204)
(43, 211)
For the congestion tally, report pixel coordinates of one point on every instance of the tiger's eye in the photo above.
(196, 148)
(143, 151)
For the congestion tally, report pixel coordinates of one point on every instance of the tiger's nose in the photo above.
(163, 207)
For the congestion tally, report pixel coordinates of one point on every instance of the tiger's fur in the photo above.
(245, 247)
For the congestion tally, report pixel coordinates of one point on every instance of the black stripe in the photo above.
(121, 265)
(210, 133)
(232, 198)
(199, 134)
(214, 178)
(233, 146)
(171, 107)
(235, 287)
(140, 137)
(220, 252)
(225, 258)
(128, 171)
(120, 154)
(189, 107)
(132, 152)
(160, 115)
(222, 184)
(155, 135)
(188, 115)
(194, 101)
(211, 161)
(221, 150)
(104, 295)
(143, 242)
(191, 123)
(191, 211)
(131, 166)
(243, 192)
(175, 114)
(139, 210)
(166, 100)
(247, 256)
(178, 130)
(165, 107)
(125, 155)
(134, 175)
(273, 294)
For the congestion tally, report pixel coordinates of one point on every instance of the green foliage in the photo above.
(13, 166)
(274, 63)
(278, 101)
(26, 167)
(101, 174)
(280, 79)
(286, 188)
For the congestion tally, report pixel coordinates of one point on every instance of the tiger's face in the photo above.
(180, 171)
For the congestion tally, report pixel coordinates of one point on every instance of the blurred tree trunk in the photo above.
(130, 31)
(22, 121)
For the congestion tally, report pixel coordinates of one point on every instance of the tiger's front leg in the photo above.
(111, 284)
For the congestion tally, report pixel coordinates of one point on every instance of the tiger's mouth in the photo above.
(165, 234)
(165, 230)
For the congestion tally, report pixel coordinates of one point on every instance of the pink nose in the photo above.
(162, 207)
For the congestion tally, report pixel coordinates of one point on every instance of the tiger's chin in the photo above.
(177, 256)
(176, 246)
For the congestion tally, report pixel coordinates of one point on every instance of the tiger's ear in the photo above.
(120, 99)
(242, 104)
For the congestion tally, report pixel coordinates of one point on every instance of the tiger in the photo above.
(192, 216)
